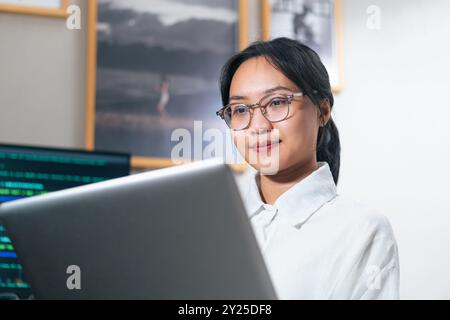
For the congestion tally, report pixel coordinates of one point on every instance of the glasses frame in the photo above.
(258, 105)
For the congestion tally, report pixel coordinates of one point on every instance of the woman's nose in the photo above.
(258, 122)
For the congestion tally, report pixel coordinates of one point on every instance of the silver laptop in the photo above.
(176, 233)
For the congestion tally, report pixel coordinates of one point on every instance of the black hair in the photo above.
(302, 66)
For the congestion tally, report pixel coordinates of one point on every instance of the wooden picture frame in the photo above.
(137, 162)
(35, 9)
(336, 69)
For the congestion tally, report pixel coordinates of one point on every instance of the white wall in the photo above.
(391, 115)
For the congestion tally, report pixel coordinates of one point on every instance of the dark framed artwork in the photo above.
(153, 67)
(316, 23)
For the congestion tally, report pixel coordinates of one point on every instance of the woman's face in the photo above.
(285, 145)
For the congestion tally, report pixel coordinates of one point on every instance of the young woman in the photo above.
(317, 244)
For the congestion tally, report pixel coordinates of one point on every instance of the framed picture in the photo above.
(316, 23)
(153, 68)
(53, 8)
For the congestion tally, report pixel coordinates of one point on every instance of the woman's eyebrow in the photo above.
(237, 97)
(277, 88)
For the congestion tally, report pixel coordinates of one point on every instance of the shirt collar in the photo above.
(301, 201)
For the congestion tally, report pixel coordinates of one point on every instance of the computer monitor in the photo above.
(29, 171)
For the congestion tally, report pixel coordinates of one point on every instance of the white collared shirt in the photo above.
(320, 245)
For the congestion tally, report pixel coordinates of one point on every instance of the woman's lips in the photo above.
(265, 146)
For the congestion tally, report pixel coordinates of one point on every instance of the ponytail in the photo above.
(329, 148)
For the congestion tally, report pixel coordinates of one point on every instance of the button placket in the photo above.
(263, 222)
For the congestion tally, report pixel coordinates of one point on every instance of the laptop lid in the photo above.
(175, 233)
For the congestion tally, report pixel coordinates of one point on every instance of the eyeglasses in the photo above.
(274, 107)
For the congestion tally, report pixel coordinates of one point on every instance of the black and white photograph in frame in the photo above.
(315, 23)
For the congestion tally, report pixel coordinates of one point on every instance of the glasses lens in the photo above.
(227, 116)
(277, 107)
(237, 116)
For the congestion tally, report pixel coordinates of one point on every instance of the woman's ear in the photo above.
(325, 113)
